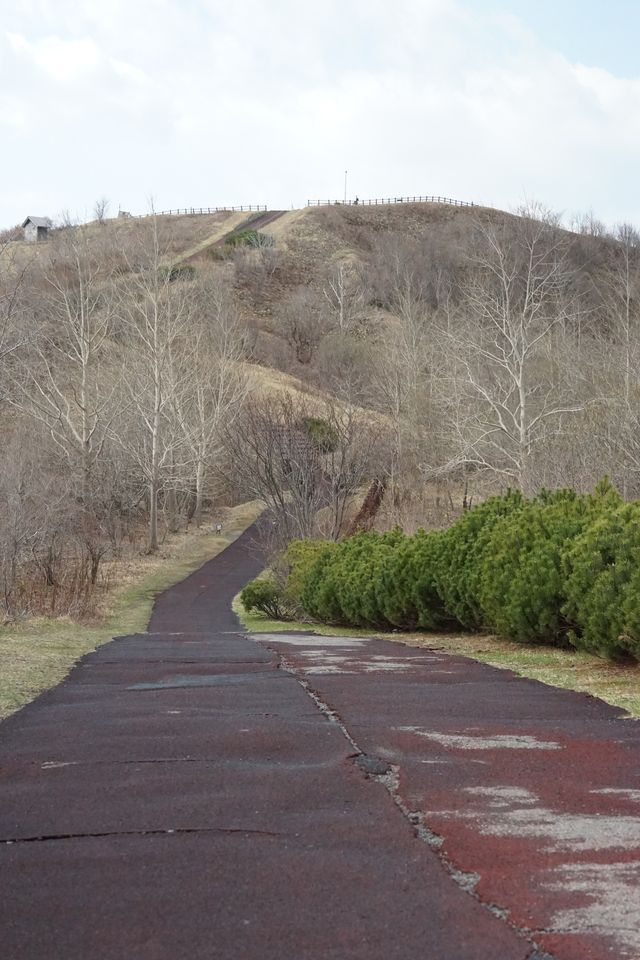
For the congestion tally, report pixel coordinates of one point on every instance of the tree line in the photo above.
(502, 351)
(118, 375)
(481, 353)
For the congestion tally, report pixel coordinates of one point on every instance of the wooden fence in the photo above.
(262, 208)
(189, 211)
(387, 200)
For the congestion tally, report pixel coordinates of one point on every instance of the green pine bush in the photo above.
(264, 595)
(299, 558)
(341, 587)
(602, 571)
(248, 238)
(562, 568)
(457, 574)
(406, 590)
(322, 434)
(357, 569)
(317, 596)
(522, 584)
(360, 593)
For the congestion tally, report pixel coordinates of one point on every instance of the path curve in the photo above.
(181, 795)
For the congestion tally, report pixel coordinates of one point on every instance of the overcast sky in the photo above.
(213, 102)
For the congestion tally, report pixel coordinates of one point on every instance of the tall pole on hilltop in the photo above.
(345, 186)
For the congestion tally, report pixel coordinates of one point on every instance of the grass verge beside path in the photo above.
(37, 654)
(611, 682)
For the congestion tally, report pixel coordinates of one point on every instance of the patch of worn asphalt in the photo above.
(529, 794)
(181, 795)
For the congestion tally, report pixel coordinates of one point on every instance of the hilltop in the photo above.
(303, 249)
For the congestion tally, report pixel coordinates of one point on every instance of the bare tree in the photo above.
(304, 319)
(301, 458)
(403, 375)
(618, 358)
(215, 383)
(62, 380)
(156, 312)
(345, 297)
(16, 532)
(505, 395)
(355, 452)
(101, 209)
(588, 225)
(11, 233)
(43, 562)
(13, 333)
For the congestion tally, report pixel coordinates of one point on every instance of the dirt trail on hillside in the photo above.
(235, 224)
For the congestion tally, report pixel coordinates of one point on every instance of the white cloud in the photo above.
(12, 114)
(203, 101)
(63, 60)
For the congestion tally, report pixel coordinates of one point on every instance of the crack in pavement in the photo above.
(390, 780)
(57, 764)
(173, 831)
(328, 870)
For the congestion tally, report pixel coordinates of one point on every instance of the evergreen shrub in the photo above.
(317, 596)
(522, 583)
(406, 589)
(300, 557)
(359, 574)
(322, 434)
(341, 586)
(249, 238)
(264, 595)
(562, 568)
(457, 574)
(602, 571)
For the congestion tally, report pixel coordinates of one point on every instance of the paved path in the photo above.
(529, 794)
(183, 795)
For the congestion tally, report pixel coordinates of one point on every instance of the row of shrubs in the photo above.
(562, 568)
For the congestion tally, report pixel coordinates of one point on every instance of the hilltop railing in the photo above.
(387, 200)
(193, 211)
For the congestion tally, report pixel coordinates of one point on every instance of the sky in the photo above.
(220, 102)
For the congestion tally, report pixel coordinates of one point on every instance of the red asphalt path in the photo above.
(182, 795)
(529, 794)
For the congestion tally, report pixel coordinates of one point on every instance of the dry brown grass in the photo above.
(269, 381)
(229, 222)
(318, 235)
(280, 229)
(181, 236)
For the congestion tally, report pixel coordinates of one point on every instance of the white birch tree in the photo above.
(215, 384)
(505, 394)
(156, 312)
(619, 358)
(62, 380)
